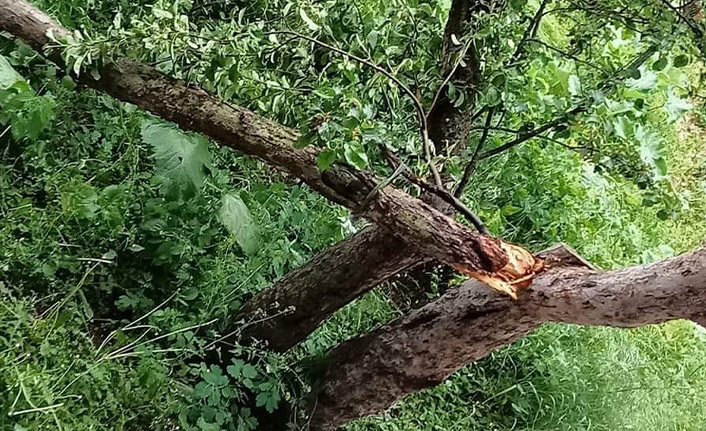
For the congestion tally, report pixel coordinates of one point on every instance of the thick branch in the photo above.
(240, 129)
(295, 306)
(368, 374)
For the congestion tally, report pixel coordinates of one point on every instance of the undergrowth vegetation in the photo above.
(125, 242)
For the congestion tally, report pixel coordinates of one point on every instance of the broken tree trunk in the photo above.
(292, 308)
(368, 374)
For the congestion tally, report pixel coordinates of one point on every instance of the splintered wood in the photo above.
(521, 268)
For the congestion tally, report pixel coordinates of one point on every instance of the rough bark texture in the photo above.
(450, 126)
(233, 126)
(294, 307)
(368, 374)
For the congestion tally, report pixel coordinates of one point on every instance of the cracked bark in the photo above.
(368, 374)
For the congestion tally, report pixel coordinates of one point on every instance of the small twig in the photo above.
(442, 193)
(520, 139)
(530, 31)
(94, 259)
(242, 328)
(566, 54)
(450, 75)
(400, 169)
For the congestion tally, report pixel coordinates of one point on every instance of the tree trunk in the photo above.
(368, 374)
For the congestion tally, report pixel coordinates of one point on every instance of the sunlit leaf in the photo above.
(236, 217)
(182, 158)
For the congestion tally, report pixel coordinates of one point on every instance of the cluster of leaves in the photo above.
(25, 112)
(217, 401)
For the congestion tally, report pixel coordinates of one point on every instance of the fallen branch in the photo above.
(368, 374)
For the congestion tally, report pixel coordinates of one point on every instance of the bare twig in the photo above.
(527, 136)
(442, 193)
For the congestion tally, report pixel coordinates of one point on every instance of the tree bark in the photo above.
(368, 374)
(418, 224)
(295, 306)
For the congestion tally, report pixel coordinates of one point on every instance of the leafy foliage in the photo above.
(124, 242)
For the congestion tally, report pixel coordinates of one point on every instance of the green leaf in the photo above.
(325, 159)
(236, 217)
(651, 149)
(499, 80)
(681, 60)
(29, 114)
(355, 154)
(182, 158)
(675, 106)
(659, 64)
(623, 126)
(235, 369)
(312, 25)
(373, 39)
(518, 4)
(8, 75)
(493, 97)
(633, 73)
(249, 372)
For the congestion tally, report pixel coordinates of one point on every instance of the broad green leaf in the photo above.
(355, 154)
(659, 64)
(325, 159)
(8, 75)
(236, 217)
(182, 158)
(675, 106)
(681, 60)
(493, 97)
(651, 149)
(622, 125)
